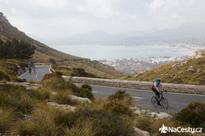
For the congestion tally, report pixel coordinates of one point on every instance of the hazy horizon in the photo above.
(54, 21)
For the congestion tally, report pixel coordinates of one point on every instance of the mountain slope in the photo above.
(191, 71)
(44, 53)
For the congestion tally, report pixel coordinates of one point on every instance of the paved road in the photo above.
(41, 70)
(142, 98)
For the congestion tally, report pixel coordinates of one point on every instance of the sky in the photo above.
(53, 19)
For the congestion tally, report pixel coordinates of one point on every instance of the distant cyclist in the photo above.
(157, 89)
(30, 67)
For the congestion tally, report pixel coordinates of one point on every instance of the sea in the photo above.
(113, 52)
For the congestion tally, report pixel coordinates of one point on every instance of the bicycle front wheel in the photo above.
(164, 103)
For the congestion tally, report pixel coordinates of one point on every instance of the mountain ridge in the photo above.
(173, 35)
(44, 53)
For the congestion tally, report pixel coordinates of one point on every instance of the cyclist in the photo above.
(157, 88)
(29, 67)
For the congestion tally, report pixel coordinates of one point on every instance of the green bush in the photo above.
(85, 86)
(40, 94)
(194, 114)
(15, 97)
(6, 118)
(4, 76)
(81, 129)
(120, 97)
(144, 123)
(84, 91)
(54, 82)
(41, 123)
(67, 119)
(25, 104)
(63, 97)
(103, 123)
(119, 103)
(118, 108)
(80, 72)
(16, 49)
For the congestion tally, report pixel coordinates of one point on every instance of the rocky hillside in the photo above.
(44, 53)
(191, 71)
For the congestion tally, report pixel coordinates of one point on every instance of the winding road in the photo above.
(141, 98)
(40, 71)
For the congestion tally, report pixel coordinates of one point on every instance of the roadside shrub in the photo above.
(84, 91)
(144, 123)
(25, 104)
(41, 94)
(103, 123)
(4, 76)
(81, 129)
(120, 97)
(108, 124)
(85, 86)
(54, 82)
(67, 119)
(194, 114)
(119, 103)
(6, 118)
(25, 128)
(9, 95)
(62, 97)
(118, 108)
(52, 61)
(41, 123)
(80, 72)
(15, 97)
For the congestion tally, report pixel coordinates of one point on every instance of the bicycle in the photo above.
(163, 101)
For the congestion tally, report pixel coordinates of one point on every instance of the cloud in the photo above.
(48, 19)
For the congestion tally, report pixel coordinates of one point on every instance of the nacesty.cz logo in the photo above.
(167, 129)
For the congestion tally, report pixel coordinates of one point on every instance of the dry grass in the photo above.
(41, 123)
(6, 119)
(81, 129)
(190, 72)
(152, 125)
(25, 112)
(63, 98)
(8, 69)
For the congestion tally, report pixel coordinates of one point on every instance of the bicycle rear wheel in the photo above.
(154, 101)
(164, 103)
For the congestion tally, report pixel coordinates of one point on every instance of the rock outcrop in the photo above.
(3, 18)
(62, 106)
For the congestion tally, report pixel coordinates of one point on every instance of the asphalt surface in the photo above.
(142, 98)
(40, 71)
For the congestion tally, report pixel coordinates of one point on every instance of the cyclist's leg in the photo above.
(156, 92)
(158, 97)
(29, 69)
